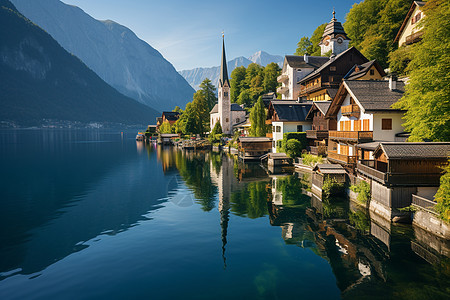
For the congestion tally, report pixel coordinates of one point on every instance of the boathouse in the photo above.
(252, 148)
(322, 172)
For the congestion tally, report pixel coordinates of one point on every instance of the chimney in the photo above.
(305, 58)
(393, 82)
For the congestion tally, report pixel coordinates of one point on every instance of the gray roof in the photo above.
(329, 169)
(334, 28)
(363, 69)
(369, 146)
(223, 68)
(329, 62)
(250, 139)
(323, 106)
(290, 111)
(397, 150)
(298, 62)
(332, 92)
(215, 109)
(234, 107)
(375, 94)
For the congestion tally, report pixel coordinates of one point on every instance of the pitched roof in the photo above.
(397, 150)
(329, 62)
(298, 62)
(329, 169)
(215, 109)
(223, 67)
(360, 70)
(333, 29)
(290, 111)
(408, 15)
(171, 115)
(323, 106)
(375, 94)
(368, 146)
(332, 92)
(249, 139)
(236, 107)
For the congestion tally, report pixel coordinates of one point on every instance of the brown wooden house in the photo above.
(318, 135)
(406, 164)
(323, 83)
(252, 148)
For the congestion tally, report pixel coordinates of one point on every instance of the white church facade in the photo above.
(224, 111)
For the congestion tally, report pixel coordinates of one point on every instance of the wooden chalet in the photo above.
(323, 83)
(318, 135)
(368, 71)
(252, 148)
(406, 164)
(411, 31)
(321, 172)
(362, 111)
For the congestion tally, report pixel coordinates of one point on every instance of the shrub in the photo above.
(332, 188)
(442, 196)
(299, 136)
(311, 160)
(293, 148)
(363, 191)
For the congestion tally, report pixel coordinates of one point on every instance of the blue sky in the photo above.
(188, 33)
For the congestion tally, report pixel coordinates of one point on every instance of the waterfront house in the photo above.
(287, 116)
(166, 138)
(363, 113)
(318, 135)
(322, 172)
(170, 116)
(252, 148)
(411, 30)
(294, 69)
(224, 111)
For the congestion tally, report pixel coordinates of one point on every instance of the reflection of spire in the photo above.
(224, 186)
(224, 217)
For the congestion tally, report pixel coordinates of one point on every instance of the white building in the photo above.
(287, 116)
(362, 109)
(294, 69)
(334, 38)
(411, 30)
(224, 112)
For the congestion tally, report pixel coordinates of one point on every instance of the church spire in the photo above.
(223, 66)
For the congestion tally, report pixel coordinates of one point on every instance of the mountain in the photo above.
(197, 75)
(113, 51)
(40, 80)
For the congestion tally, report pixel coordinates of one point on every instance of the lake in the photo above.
(93, 214)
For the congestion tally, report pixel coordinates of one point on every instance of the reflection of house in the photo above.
(287, 116)
(362, 109)
(318, 135)
(224, 112)
(410, 32)
(294, 69)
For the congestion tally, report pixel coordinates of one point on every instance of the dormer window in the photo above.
(372, 72)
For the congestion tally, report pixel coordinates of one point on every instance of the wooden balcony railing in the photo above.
(319, 150)
(414, 38)
(341, 158)
(352, 109)
(356, 136)
(424, 203)
(370, 172)
(306, 89)
(317, 134)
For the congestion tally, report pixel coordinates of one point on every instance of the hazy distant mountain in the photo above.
(113, 51)
(40, 80)
(197, 75)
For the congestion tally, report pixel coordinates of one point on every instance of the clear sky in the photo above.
(188, 32)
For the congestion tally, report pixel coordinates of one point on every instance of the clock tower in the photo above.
(334, 38)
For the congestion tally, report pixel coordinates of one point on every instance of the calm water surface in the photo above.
(87, 214)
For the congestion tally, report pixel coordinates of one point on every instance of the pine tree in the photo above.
(209, 92)
(427, 97)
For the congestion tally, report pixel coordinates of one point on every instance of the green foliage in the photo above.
(293, 148)
(373, 24)
(360, 220)
(216, 133)
(208, 90)
(237, 83)
(250, 201)
(178, 109)
(291, 189)
(299, 136)
(165, 127)
(304, 46)
(311, 160)
(442, 196)
(399, 60)
(258, 119)
(332, 188)
(271, 72)
(427, 97)
(363, 191)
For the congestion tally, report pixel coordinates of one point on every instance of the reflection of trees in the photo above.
(360, 220)
(216, 160)
(250, 201)
(196, 173)
(291, 189)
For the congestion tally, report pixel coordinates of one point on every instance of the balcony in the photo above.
(414, 38)
(368, 169)
(424, 203)
(317, 134)
(282, 90)
(311, 88)
(319, 150)
(341, 158)
(350, 110)
(282, 78)
(351, 136)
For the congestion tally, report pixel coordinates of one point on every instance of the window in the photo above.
(299, 128)
(386, 124)
(366, 125)
(357, 125)
(273, 144)
(332, 68)
(226, 120)
(278, 128)
(225, 94)
(237, 120)
(330, 79)
(372, 72)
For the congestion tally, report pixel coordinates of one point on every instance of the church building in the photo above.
(224, 112)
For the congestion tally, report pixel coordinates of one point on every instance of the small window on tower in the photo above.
(225, 94)
(226, 120)
(237, 120)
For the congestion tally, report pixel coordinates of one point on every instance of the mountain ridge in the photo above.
(195, 76)
(113, 51)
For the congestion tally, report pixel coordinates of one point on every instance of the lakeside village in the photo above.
(333, 116)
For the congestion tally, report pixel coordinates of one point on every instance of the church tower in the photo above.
(334, 38)
(224, 104)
